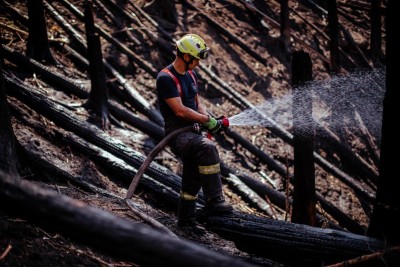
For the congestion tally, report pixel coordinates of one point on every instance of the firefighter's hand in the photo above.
(213, 125)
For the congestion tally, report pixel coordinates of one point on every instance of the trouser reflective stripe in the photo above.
(210, 169)
(187, 196)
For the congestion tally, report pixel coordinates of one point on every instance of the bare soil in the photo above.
(31, 245)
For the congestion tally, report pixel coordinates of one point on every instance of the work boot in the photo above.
(218, 205)
(186, 217)
(212, 190)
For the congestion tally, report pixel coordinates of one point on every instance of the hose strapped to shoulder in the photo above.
(151, 156)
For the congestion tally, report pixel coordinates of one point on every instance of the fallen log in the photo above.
(250, 196)
(289, 243)
(101, 229)
(279, 199)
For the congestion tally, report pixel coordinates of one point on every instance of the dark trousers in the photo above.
(201, 167)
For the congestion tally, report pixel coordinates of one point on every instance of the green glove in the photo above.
(212, 122)
(213, 125)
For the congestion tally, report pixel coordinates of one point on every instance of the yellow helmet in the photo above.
(193, 45)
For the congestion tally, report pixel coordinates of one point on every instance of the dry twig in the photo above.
(365, 258)
(6, 251)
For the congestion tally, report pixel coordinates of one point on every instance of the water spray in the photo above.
(360, 90)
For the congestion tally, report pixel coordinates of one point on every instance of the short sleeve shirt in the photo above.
(166, 88)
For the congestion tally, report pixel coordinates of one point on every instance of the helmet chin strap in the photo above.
(187, 63)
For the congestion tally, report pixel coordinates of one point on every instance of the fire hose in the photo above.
(158, 148)
(151, 156)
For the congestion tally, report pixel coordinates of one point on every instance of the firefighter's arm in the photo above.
(186, 113)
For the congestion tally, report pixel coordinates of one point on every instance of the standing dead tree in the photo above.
(38, 45)
(376, 37)
(334, 35)
(304, 198)
(386, 213)
(285, 27)
(8, 142)
(98, 97)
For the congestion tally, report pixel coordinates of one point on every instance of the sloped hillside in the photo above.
(248, 69)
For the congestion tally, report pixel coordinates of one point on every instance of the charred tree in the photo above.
(376, 25)
(333, 24)
(304, 198)
(386, 213)
(8, 142)
(291, 244)
(98, 96)
(38, 44)
(285, 27)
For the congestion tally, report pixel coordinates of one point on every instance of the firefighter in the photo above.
(180, 106)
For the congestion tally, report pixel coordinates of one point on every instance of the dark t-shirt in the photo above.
(166, 88)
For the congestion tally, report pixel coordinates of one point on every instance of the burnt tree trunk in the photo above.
(285, 27)
(38, 44)
(333, 24)
(385, 218)
(98, 97)
(376, 25)
(304, 198)
(290, 243)
(8, 152)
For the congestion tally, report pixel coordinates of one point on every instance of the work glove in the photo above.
(216, 125)
(213, 125)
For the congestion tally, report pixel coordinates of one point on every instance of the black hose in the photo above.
(151, 156)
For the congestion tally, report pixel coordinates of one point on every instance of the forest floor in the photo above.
(23, 243)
